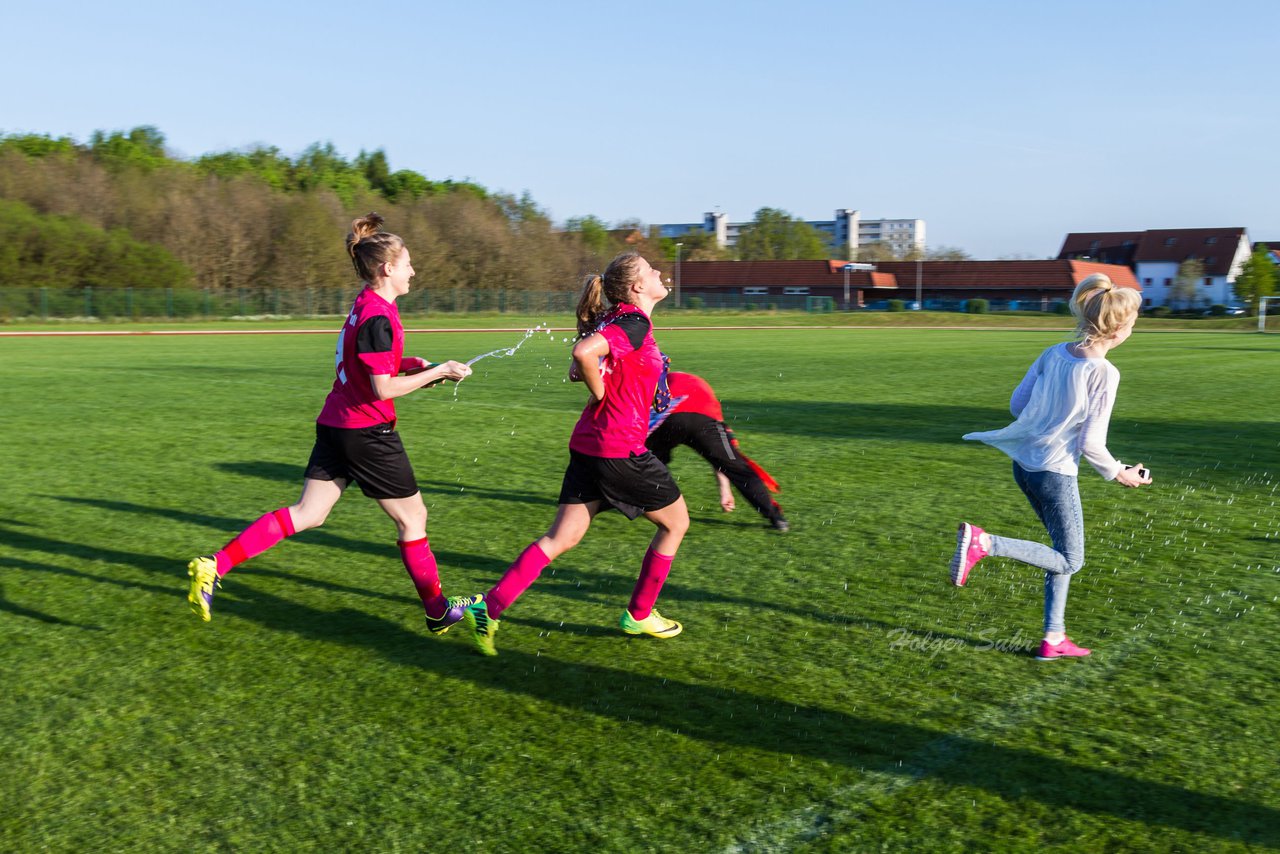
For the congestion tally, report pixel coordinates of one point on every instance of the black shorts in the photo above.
(373, 457)
(634, 485)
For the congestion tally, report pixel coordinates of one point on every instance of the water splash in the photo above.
(502, 353)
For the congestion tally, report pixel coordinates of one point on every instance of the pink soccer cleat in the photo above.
(969, 551)
(1062, 649)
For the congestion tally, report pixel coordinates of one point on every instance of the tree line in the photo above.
(119, 210)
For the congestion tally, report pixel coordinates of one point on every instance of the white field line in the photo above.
(878, 785)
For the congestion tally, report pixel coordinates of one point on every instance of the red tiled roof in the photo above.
(1121, 275)
(935, 275)
(1081, 242)
(1186, 242)
(997, 275)
(732, 274)
(1216, 247)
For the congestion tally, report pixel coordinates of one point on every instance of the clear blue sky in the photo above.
(1003, 125)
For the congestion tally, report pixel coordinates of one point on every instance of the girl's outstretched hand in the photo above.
(452, 370)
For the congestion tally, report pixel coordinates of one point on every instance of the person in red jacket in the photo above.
(694, 418)
(356, 438)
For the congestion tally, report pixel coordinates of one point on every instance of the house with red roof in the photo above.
(1156, 254)
(1030, 284)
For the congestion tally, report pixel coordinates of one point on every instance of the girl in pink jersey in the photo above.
(609, 465)
(356, 439)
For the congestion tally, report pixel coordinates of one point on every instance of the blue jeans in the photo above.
(1056, 500)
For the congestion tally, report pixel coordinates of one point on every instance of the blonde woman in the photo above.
(1063, 407)
(356, 438)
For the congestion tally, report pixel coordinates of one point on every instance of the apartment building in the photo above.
(846, 232)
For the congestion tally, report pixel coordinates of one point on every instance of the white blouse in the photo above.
(1063, 406)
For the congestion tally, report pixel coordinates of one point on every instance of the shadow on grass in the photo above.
(174, 566)
(316, 536)
(30, 613)
(564, 579)
(1178, 442)
(291, 474)
(582, 585)
(729, 717)
(758, 722)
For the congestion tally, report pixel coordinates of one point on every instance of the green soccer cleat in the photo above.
(483, 627)
(654, 625)
(204, 578)
(454, 609)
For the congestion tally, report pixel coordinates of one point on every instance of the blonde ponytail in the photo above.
(1101, 307)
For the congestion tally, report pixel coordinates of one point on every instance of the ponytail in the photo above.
(614, 284)
(370, 247)
(591, 305)
(1101, 308)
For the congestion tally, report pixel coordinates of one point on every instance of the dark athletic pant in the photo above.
(712, 440)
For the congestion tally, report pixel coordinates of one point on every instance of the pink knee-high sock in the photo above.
(255, 539)
(421, 564)
(653, 573)
(516, 580)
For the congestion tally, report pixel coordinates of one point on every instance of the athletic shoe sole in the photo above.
(964, 538)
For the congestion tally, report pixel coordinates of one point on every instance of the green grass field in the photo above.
(831, 691)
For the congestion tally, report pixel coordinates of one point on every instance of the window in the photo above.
(796, 292)
(1146, 283)
(1208, 282)
(754, 292)
(1211, 240)
(1128, 244)
(1209, 261)
(1170, 241)
(1168, 282)
(1095, 246)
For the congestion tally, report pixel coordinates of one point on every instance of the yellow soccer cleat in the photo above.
(482, 626)
(204, 578)
(654, 625)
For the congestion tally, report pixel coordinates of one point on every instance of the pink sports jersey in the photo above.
(617, 426)
(691, 393)
(352, 402)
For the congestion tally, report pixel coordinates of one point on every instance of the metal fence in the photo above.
(161, 303)
(150, 303)
(140, 303)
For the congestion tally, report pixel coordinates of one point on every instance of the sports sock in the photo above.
(421, 565)
(268, 530)
(516, 580)
(653, 573)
